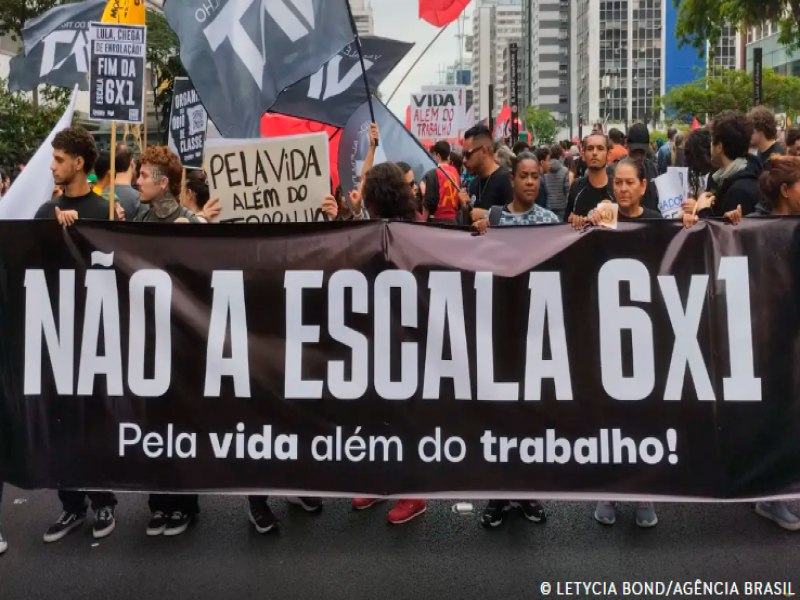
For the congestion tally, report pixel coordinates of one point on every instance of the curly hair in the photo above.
(78, 143)
(698, 158)
(387, 195)
(163, 159)
(764, 121)
(734, 130)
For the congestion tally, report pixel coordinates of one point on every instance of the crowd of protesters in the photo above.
(738, 167)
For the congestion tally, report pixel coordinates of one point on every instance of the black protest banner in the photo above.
(398, 359)
(275, 180)
(116, 81)
(188, 121)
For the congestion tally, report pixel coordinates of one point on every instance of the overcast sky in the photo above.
(399, 19)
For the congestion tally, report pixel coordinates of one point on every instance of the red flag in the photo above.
(503, 124)
(275, 125)
(441, 12)
(695, 124)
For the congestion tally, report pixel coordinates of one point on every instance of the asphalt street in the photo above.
(343, 554)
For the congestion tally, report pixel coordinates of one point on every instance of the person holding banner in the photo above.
(780, 186)
(159, 188)
(492, 186)
(526, 174)
(74, 156)
(630, 187)
(589, 191)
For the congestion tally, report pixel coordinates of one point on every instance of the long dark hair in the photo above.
(387, 195)
(697, 150)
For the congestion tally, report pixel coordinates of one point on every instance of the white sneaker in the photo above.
(605, 513)
(646, 515)
(779, 513)
(3, 543)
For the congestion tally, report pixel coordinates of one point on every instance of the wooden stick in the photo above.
(183, 186)
(112, 213)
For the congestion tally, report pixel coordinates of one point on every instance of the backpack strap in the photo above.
(495, 213)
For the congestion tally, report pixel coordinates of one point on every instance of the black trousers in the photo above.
(75, 502)
(170, 503)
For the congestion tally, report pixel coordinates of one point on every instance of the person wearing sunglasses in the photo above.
(492, 187)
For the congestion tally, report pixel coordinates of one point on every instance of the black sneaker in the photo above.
(157, 524)
(262, 518)
(493, 513)
(532, 510)
(311, 505)
(104, 522)
(66, 523)
(177, 523)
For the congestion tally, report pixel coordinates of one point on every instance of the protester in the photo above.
(492, 186)
(522, 210)
(411, 182)
(543, 156)
(196, 197)
(793, 142)
(123, 180)
(589, 191)
(630, 186)
(74, 155)
(697, 150)
(780, 187)
(678, 157)
(664, 156)
(617, 150)
(440, 202)
(386, 195)
(765, 134)
(159, 188)
(735, 181)
(521, 147)
(526, 177)
(638, 149)
(503, 156)
(557, 180)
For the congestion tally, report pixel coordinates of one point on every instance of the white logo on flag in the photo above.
(333, 85)
(227, 25)
(80, 50)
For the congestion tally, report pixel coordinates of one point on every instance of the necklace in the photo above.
(486, 185)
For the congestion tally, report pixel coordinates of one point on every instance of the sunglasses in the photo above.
(468, 154)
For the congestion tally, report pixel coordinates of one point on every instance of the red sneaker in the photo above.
(405, 510)
(365, 503)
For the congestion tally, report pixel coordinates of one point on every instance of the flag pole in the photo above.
(416, 62)
(112, 213)
(361, 59)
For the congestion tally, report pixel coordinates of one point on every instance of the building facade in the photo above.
(546, 56)
(496, 23)
(364, 17)
(782, 59)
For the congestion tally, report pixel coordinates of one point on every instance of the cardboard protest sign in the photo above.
(683, 176)
(437, 115)
(671, 193)
(276, 180)
(117, 73)
(188, 122)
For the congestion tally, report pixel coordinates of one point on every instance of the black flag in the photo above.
(336, 91)
(401, 146)
(240, 54)
(56, 48)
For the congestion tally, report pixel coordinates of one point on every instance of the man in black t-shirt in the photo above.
(74, 155)
(589, 191)
(493, 185)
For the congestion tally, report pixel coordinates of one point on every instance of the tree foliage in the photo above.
(163, 54)
(704, 20)
(23, 127)
(14, 13)
(732, 90)
(542, 125)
